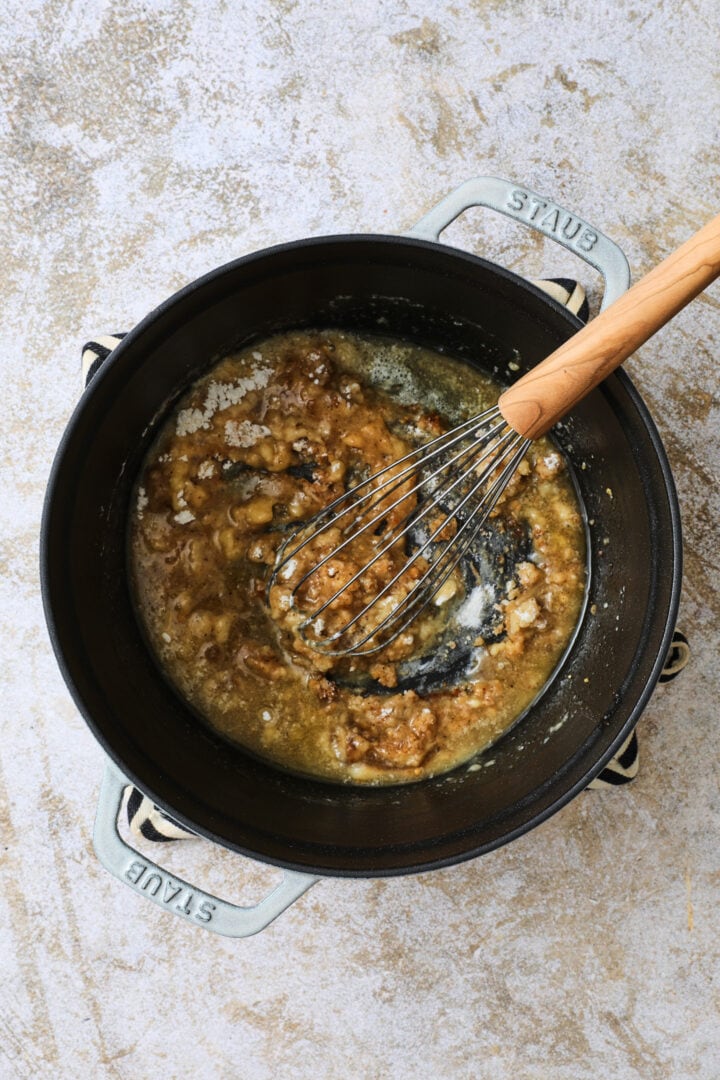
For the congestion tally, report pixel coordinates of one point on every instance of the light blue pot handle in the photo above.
(172, 893)
(540, 213)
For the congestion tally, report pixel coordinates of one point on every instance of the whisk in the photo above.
(432, 504)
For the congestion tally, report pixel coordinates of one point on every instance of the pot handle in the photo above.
(542, 214)
(172, 893)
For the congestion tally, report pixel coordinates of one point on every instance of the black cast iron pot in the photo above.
(415, 288)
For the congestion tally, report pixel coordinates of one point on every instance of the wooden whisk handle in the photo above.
(544, 395)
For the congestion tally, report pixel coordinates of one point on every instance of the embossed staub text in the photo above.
(551, 219)
(167, 891)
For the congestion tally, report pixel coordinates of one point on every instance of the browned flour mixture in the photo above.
(264, 441)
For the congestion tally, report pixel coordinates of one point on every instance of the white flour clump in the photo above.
(244, 433)
(184, 517)
(142, 501)
(220, 396)
(474, 607)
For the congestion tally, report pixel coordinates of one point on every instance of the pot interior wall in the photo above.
(444, 299)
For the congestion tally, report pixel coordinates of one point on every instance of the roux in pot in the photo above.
(262, 442)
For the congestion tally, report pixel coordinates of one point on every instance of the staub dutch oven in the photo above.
(412, 287)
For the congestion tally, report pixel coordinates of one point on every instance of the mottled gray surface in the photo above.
(144, 143)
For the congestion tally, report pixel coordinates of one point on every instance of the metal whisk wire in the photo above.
(429, 578)
(493, 444)
(435, 577)
(382, 492)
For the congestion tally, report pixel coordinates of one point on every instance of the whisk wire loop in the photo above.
(401, 530)
(460, 474)
(330, 515)
(419, 596)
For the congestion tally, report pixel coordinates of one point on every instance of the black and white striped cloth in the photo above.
(146, 820)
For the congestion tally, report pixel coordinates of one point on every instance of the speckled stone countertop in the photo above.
(144, 143)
